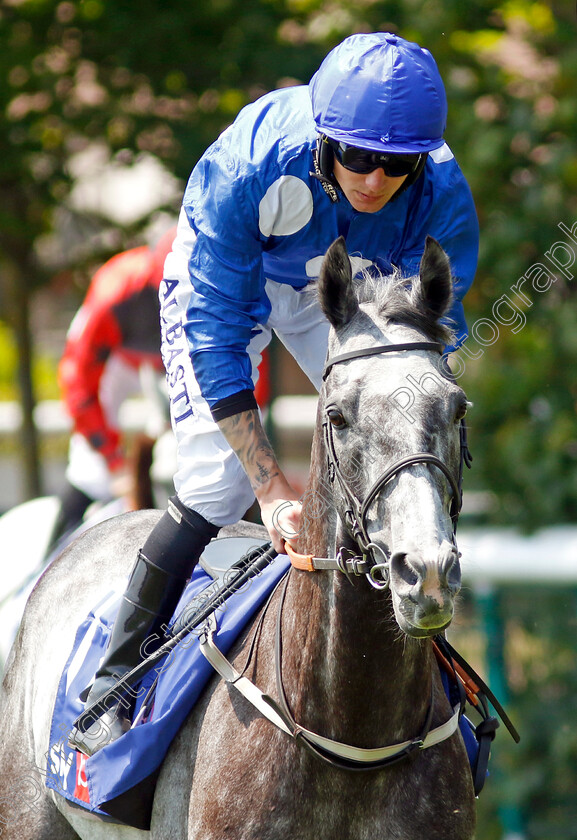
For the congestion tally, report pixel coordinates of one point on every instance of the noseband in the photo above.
(357, 512)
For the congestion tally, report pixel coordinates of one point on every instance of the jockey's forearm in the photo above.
(246, 436)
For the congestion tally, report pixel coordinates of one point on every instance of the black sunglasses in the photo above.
(362, 161)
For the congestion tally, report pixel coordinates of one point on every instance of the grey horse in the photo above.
(354, 661)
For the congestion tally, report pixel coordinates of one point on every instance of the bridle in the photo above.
(356, 512)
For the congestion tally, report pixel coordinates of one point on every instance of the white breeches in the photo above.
(87, 469)
(209, 477)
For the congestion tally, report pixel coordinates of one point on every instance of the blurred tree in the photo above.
(125, 78)
(514, 123)
(134, 79)
(510, 70)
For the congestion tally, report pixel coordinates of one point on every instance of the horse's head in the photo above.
(392, 421)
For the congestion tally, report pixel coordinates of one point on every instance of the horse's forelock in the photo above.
(397, 298)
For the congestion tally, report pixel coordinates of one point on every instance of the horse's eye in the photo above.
(461, 412)
(336, 419)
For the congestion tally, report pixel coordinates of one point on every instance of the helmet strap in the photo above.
(323, 157)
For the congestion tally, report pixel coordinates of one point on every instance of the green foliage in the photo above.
(525, 636)
(7, 364)
(542, 662)
(510, 71)
(44, 371)
(166, 78)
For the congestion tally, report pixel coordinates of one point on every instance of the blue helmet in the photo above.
(382, 93)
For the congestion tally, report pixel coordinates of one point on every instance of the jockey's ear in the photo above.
(336, 293)
(436, 279)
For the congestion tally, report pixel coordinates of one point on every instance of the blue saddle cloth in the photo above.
(182, 675)
(119, 779)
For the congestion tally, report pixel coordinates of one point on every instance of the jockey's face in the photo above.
(368, 192)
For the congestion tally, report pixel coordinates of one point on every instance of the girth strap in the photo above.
(262, 702)
(371, 758)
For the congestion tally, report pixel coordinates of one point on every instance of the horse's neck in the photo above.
(343, 650)
(347, 671)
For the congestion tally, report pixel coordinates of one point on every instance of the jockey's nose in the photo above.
(376, 179)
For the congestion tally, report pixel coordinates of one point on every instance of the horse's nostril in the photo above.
(451, 570)
(454, 577)
(404, 571)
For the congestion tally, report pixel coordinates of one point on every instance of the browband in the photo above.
(381, 348)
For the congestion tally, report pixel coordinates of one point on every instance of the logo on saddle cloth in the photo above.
(81, 787)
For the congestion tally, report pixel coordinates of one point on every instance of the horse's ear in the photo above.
(336, 293)
(436, 279)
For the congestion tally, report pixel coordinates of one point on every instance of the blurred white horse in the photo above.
(25, 530)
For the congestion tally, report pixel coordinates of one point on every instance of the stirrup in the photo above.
(103, 731)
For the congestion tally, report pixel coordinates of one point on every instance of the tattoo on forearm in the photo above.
(246, 436)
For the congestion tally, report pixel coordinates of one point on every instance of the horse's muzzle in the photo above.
(424, 588)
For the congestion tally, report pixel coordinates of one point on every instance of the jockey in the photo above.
(112, 352)
(358, 153)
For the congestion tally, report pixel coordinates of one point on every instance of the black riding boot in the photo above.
(162, 568)
(73, 505)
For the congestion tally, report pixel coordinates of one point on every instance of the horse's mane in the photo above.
(400, 300)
